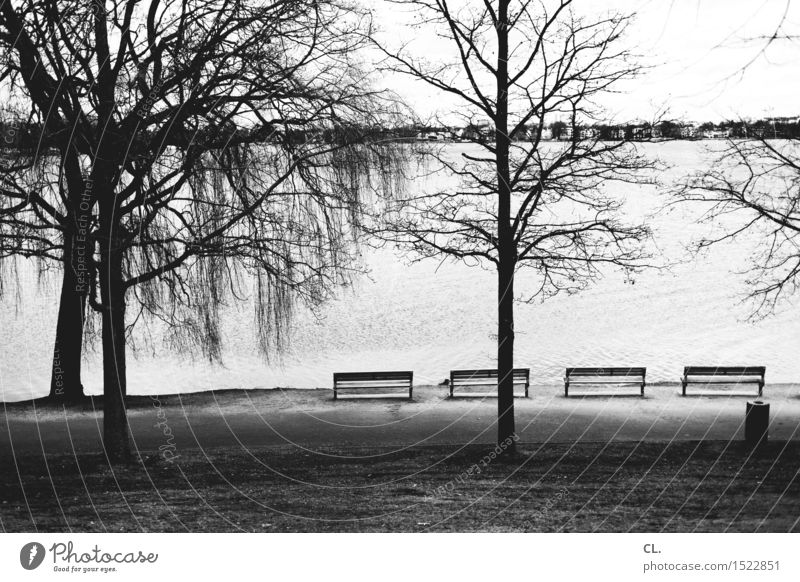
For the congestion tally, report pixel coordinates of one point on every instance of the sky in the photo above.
(708, 59)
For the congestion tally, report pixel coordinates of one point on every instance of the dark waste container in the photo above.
(756, 422)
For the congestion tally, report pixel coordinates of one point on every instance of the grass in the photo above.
(648, 486)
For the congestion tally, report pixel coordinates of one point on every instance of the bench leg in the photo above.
(642, 388)
(683, 384)
(566, 389)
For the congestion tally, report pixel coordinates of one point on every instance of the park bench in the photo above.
(465, 382)
(707, 375)
(373, 384)
(605, 377)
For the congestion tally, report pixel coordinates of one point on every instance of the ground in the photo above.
(296, 461)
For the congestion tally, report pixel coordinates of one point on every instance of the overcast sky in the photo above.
(697, 47)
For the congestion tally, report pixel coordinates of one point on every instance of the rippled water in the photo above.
(430, 318)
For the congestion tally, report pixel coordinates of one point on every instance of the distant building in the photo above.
(480, 132)
(618, 133)
(469, 133)
(688, 131)
(533, 133)
(588, 133)
(432, 135)
(485, 131)
(642, 132)
(717, 133)
(788, 120)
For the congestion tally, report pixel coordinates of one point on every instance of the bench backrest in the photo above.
(483, 375)
(606, 372)
(372, 379)
(724, 371)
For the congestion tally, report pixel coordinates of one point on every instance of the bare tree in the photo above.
(213, 138)
(751, 188)
(522, 201)
(782, 33)
(41, 219)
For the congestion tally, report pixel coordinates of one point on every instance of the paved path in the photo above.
(311, 419)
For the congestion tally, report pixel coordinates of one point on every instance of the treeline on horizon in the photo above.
(29, 137)
(23, 135)
(777, 128)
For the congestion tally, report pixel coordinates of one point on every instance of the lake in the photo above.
(431, 317)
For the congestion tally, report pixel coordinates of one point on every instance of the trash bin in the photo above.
(756, 422)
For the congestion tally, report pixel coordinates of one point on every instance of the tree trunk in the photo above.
(112, 293)
(506, 430)
(65, 380)
(506, 248)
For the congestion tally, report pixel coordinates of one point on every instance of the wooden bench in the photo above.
(373, 384)
(724, 375)
(605, 376)
(486, 378)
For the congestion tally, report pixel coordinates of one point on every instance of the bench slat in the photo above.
(375, 383)
(606, 371)
(403, 391)
(724, 370)
(487, 373)
(485, 381)
(603, 380)
(371, 375)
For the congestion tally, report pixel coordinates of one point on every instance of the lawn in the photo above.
(646, 486)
